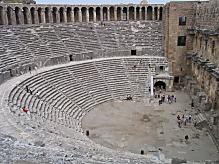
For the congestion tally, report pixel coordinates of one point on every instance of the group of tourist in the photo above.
(169, 99)
(184, 120)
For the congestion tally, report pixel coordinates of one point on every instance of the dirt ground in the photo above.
(135, 126)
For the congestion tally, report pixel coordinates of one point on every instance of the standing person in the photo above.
(190, 118)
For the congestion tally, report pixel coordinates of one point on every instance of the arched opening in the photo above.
(54, 14)
(39, 13)
(76, 14)
(47, 14)
(161, 13)
(131, 13)
(32, 13)
(105, 14)
(84, 14)
(91, 14)
(112, 16)
(61, 14)
(143, 13)
(98, 13)
(124, 13)
(155, 13)
(149, 13)
(1, 16)
(17, 15)
(137, 13)
(160, 85)
(9, 15)
(25, 14)
(69, 16)
(119, 13)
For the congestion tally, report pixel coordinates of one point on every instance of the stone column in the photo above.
(134, 13)
(95, 15)
(65, 15)
(57, 16)
(108, 14)
(80, 15)
(5, 20)
(121, 13)
(146, 15)
(127, 13)
(158, 14)
(101, 14)
(72, 16)
(36, 17)
(43, 19)
(50, 15)
(115, 14)
(140, 13)
(87, 15)
(152, 13)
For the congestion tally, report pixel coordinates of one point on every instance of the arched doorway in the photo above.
(76, 14)
(98, 14)
(91, 14)
(1, 16)
(25, 14)
(160, 85)
(119, 17)
(61, 15)
(105, 14)
(112, 13)
(131, 13)
(9, 15)
(69, 14)
(39, 15)
(149, 13)
(17, 15)
(161, 13)
(84, 14)
(47, 15)
(124, 13)
(54, 14)
(32, 13)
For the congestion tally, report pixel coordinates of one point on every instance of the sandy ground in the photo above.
(135, 126)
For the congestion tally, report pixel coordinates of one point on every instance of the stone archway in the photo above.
(54, 14)
(131, 13)
(160, 85)
(119, 16)
(137, 13)
(149, 13)
(61, 15)
(26, 15)
(9, 15)
(47, 17)
(1, 16)
(124, 13)
(105, 14)
(143, 13)
(91, 14)
(161, 13)
(76, 14)
(155, 13)
(69, 14)
(17, 15)
(98, 17)
(84, 14)
(32, 13)
(39, 13)
(112, 16)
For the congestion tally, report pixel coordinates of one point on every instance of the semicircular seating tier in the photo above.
(33, 46)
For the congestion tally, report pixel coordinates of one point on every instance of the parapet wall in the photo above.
(12, 14)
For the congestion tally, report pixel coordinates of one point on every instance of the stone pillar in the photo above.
(101, 14)
(80, 15)
(72, 16)
(108, 14)
(36, 17)
(57, 16)
(158, 14)
(134, 13)
(65, 15)
(87, 15)
(140, 13)
(5, 20)
(50, 15)
(95, 15)
(115, 14)
(146, 15)
(127, 13)
(43, 19)
(121, 14)
(152, 13)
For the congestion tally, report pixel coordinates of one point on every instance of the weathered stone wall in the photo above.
(12, 14)
(174, 53)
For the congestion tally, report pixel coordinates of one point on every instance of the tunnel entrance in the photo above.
(160, 85)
